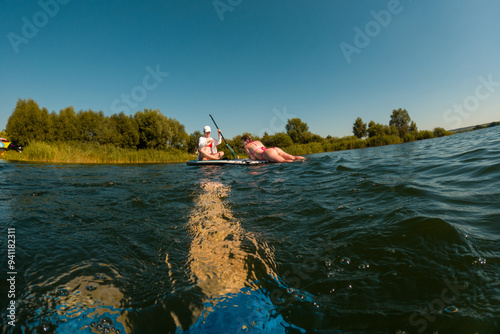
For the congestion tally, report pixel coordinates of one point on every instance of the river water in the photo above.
(395, 239)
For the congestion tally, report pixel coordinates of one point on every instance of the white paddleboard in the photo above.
(240, 162)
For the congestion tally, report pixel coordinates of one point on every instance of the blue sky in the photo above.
(254, 64)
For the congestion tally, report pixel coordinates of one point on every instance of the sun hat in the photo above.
(207, 129)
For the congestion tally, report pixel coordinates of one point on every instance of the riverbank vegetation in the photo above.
(299, 140)
(148, 136)
(95, 153)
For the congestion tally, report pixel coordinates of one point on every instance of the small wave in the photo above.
(343, 168)
(489, 171)
(470, 156)
(430, 229)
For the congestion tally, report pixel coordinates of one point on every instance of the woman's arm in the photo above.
(251, 156)
(219, 139)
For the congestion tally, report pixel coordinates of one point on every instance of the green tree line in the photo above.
(143, 130)
(147, 129)
(150, 129)
(400, 126)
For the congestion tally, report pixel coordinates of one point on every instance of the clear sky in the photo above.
(254, 64)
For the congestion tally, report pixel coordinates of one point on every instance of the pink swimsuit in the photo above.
(263, 150)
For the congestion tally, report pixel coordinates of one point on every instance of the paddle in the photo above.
(229, 147)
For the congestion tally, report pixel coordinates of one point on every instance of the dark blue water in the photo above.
(396, 239)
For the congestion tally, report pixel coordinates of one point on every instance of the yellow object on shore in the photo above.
(4, 144)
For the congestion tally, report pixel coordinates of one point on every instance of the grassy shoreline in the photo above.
(92, 153)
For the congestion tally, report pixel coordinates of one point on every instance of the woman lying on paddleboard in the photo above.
(257, 151)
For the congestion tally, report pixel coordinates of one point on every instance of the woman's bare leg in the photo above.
(207, 156)
(287, 156)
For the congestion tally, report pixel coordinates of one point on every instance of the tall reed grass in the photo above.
(63, 152)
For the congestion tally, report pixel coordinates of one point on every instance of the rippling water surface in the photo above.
(396, 239)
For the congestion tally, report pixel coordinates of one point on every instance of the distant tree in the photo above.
(298, 130)
(65, 125)
(279, 139)
(235, 144)
(193, 141)
(492, 124)
(424, 134)
(390, 130)
(408, 137)
(127, 130)
(88, 124)
(158, 131)
(359, 128)
(413, 127)
(265, 138)
(401, 120)
(146, 129)
(52, 133)
(106, 132)
(439, 132)
(27, 123)
(314, 138)
(177, 136)
(149, 128)
(44, 125)
(375, 129)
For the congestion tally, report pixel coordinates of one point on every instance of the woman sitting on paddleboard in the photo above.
(207, 146)
(257, 151)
